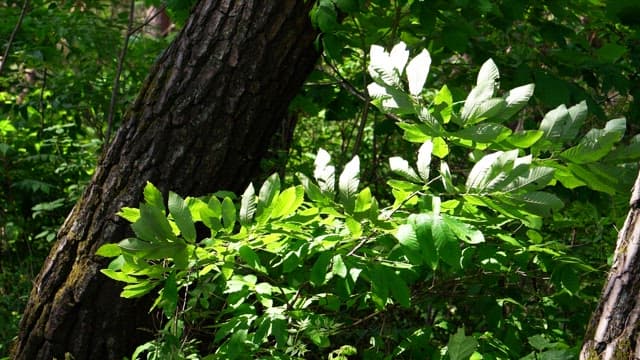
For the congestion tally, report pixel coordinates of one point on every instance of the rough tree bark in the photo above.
(201, 123)
(614, 330)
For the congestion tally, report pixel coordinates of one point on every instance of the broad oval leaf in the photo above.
(424, 160)
(268, 191)
(228, 214)
(417, 72)
(399, 56)
(488, 73)
(516, 99)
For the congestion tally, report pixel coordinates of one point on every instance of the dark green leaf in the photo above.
(460, 346)
(320, 269)
(152, 226)
(251, 258)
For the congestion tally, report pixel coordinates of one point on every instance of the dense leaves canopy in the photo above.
(453, 186)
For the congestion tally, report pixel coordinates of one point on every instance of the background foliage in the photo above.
(56, 88)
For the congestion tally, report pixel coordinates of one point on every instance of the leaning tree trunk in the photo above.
(614, 330)
(201, 122)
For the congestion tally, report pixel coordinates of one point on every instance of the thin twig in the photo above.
(147, 21)
(41, 105)
(345, 84)
(23, 12)
(116, 80)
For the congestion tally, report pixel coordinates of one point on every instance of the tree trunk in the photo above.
(614, 330)
(201, 123)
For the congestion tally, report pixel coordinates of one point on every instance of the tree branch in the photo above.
(116, 80)
(23, 12)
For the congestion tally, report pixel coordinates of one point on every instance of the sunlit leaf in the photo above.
(248, 205)
(424, 160)
(401, 167)
(417, 72)
(348, 183)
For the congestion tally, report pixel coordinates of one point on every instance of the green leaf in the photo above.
(268, 192)
(381, 68)
(364, 201)
(491, 169)
(447, 179)
(151, 251)
(325, 16)
(399, 290)
(628, 153)
(424, 160)
(444, 240)
(339, 268)
(417, 72)
(347, 6)
(320, 268)
(354, 227)
(119, 276)
(562, 124)
(212, 214)
(153, 197)
(536, 202)
(529, 178)
(287, 202)
(422, 225)
(130, 214)
(486, 83)
(401, 167)
(138, 290)
(109, 250)
(524, 139)
(594, 179)
(488, 73)
(611, 52)
(228, 214)
(324, 173)
(484, 133)
(179, 209)
(349, 182)
(460, 346)
(312, 190)
(248, 206)
(418, 133)
(399, 56)
(390, 99)
(443, 96)
(479, 94)
(463, 231)
(408, 238)
(251, 258)
(596, 143)
(516, 99)
(440, 147)
(168, 298)
(152, 226)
